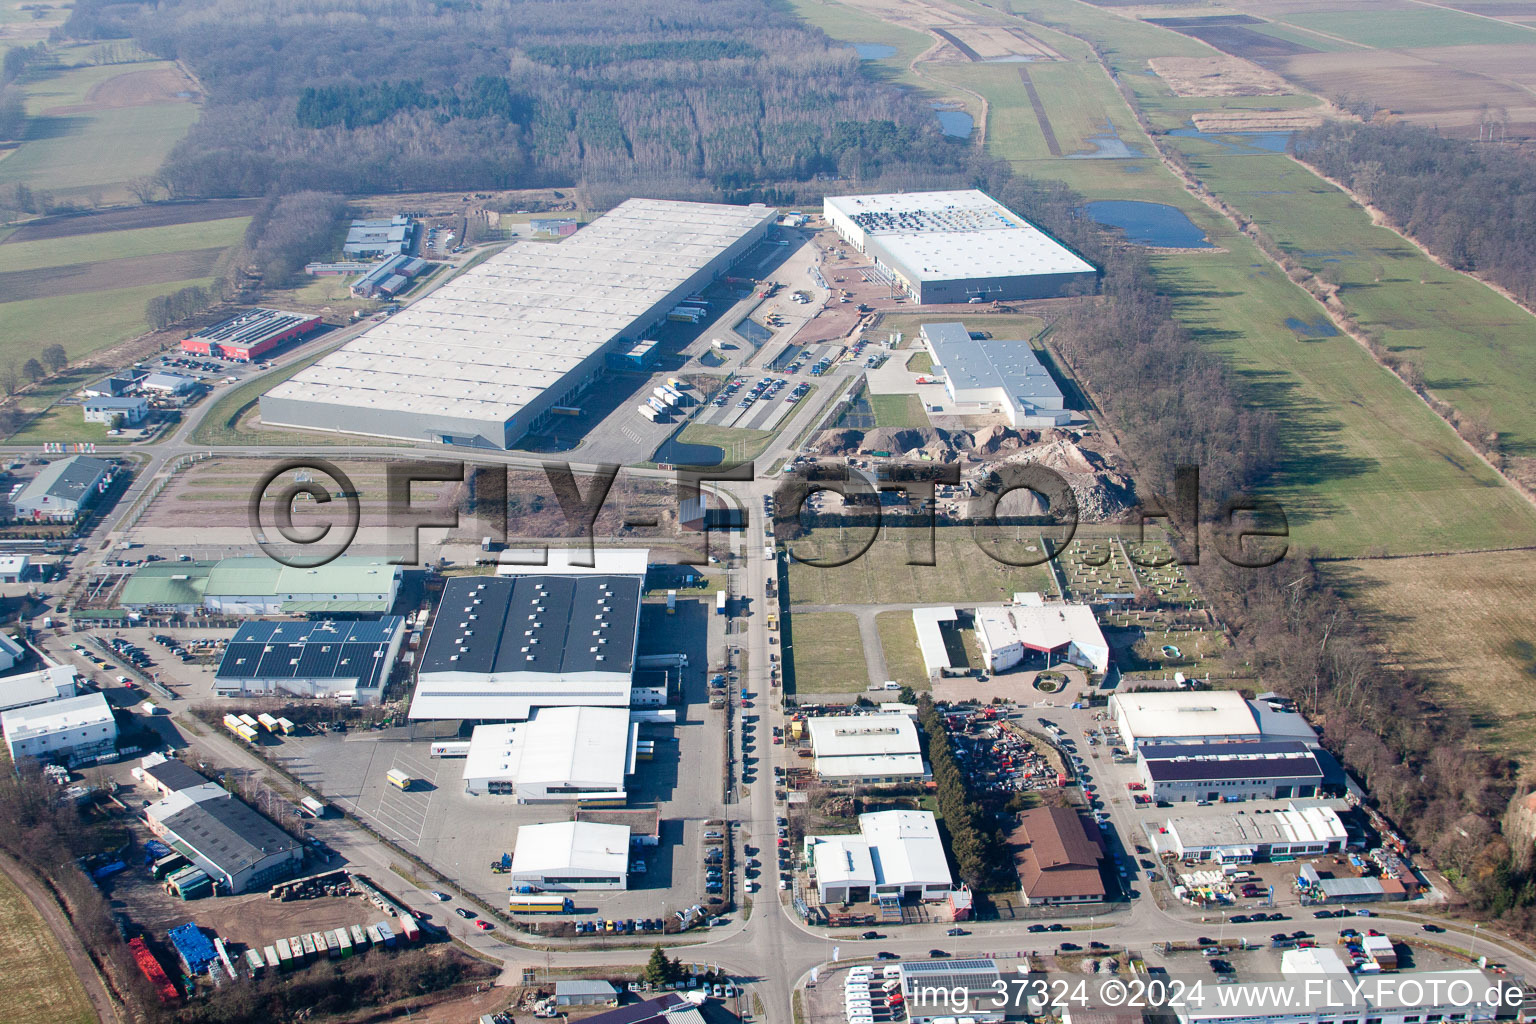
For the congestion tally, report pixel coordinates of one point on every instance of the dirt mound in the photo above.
(926, 443)
(1000, 440)
(1101, 492)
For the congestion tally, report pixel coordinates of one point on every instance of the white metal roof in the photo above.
(955, 235)
(37, 687)
(1174, 713)
(892, 848)
(843, 860)
(1045, 627)
(586, 746)
(559, 847)
(56, 716)
(855, 735)
(488, 342)
(1259, 823)
(607, 561)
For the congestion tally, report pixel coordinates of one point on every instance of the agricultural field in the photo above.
(898, 642)
(1465, 622)
(96, 127)
(40, 984)
(1403, 29)
(962, 573)
(829, 656)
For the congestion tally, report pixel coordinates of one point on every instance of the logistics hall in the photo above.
(482, 360)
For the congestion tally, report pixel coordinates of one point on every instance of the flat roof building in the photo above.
(1179, 716)
(896, 853)
(127, 412)
(349, 658)
(1065, 632)
(73, 730)
(63, 489)
(1056, 854)
(566, 856)
(575, 753)
(166, 775)
(485, 358)
(378, 237)
(1255, 831)
(957, 246)
(556, 635)
(1262, 770)
(250, 335)
(866, 749)
(260, 586)
(985, 376)
(28, 689)
(168, 383)
(238, 848)
(929, 622)
(12, 569)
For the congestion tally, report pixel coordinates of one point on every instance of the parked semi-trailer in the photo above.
(519, 903)
(312, 807)
(669, 397)
(657, 404)
(650, 414)
(399, 779)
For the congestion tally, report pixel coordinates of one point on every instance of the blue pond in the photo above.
(1155, 224)
(956, 123)
(753, 331)
(675, 453)
(1320, 328)
(1240, 143)
(873, 51)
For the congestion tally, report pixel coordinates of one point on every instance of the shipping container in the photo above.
(284, 953)
(307, 943)
(677, 384)
(250, 721)
(359, 938)
(267, 722)
(344, 940)
(246, 732)
(657, 404)
(285, 726)
(274, 962)
(386, 934)
(296, 943)
(408, 928)
(332, 945)
(649, 413)
(668, 397)
(719, 602)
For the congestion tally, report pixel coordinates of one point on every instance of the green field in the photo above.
(963, 572)
(920, 362)
(110, 245)
(898, 411)
(1421, 26)
(83, 324)
(898, 641)
(88, 152)
(41, 986)
(829, 656)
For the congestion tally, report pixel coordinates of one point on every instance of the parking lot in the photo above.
(753, 403)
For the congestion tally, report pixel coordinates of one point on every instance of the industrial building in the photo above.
(236, 847)
(250, 335)
(572, 855)
(73, 731)
(1057, 854)
(12, 569)
(938, 989)
(115, 412)
(55, 682)
(866, 750)
(389, 278)
(584, 992)
(166, 775)
(573, 753)
(1178, 716)
(63, 489)
(349, 659)
(992, 376)
(1261, 770)
(929, 624)
(1255, 831)
(381, 237)
(1061, 632)
(959, 246)
(1350, 889)
(169, 383)
(485, 358)
(259, 586)
(553, 635)
(667, 1008)
(896, 854)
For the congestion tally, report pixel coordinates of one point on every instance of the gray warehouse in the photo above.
(1262, 770)
(960, 246)
(485, 359)
(984, 375)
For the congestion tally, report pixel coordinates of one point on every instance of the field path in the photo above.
(1046, 130)
(58, 923)
(979, 132)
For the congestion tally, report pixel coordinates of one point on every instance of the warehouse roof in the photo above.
(321, 649)
(978, 363)
(221, 829)
(956, 235)
(488, 342)
(167, 382)
(892, 848)
(1260, 823)
(40, 687)
(250, 328)
(1266, 759)
(173, 775)
(548, 624)
(114, 403)
(565, 846)
(571, 561)
(557, 746)
(1045, 627)
(863, 735)
(43, 719)
(65, 480)
(1175, 713)
(168, 583)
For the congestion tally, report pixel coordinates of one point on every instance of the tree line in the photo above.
(1472, 205)
(674, 95)
(976, 838)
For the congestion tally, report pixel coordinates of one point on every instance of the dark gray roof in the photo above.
(324, 649)
(1266, 759)
(173, 775)
(252, 327)
(68, 479)
(555, 624)
(990, 363)
(229, 834)
(639, 1013)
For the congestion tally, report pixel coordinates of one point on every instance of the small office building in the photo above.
(566, 856)
(29, 689)
(72, 731)
(896, 853)
(1060, 632)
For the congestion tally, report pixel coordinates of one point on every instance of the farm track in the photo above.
(58, 923)
(1040, 115)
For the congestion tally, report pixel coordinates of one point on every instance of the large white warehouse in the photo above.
(580, 754)
(570, 855)
(484, 359)
(1178, 716)
(957, 247)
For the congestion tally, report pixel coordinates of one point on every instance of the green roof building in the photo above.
(260, 586)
